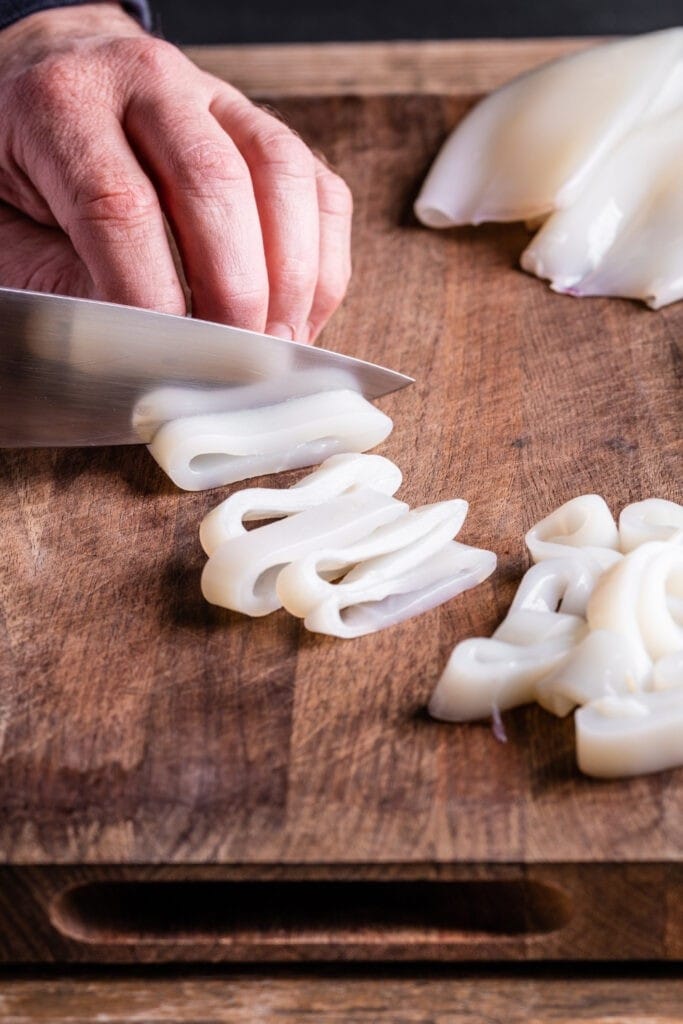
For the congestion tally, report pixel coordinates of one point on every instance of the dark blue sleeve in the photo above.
(13, 10)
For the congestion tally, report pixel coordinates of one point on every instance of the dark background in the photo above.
(267, 21)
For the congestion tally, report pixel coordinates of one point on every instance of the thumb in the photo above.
(39, 258)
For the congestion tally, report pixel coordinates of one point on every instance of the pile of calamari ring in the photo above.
(597, 623)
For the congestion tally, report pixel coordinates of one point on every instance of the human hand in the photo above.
(107, 130)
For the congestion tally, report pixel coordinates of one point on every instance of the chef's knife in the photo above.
(78, 372)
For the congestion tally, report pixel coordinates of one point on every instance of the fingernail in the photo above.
(280, 330)
(306, 333)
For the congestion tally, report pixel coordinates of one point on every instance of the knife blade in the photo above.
(78, 372)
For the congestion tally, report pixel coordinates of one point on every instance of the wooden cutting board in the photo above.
(155, 750)
(461, 995)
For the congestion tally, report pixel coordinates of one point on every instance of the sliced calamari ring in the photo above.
(668, 672)
(483, 674)
(583, 522)
(652, 519)
(337, 475)
(660, 627)
(366, 606)
(631, 599)
(285, 377)
(208, 451)
(561, 584)
(242, 573)
(391, 552)
(597, 667)
(621, 736)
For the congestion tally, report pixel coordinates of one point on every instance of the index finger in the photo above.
(103, 200)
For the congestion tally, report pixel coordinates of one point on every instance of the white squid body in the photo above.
(594, 143)
(622, 236)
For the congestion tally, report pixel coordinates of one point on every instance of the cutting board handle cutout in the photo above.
(293, 912)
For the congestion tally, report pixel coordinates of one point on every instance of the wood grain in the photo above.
(344, 998)
(463, 68)
(138, 725)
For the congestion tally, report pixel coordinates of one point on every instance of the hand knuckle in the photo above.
(296, 276)
(49, 86)
(246, 302)
(123, 204)
(332, 290)
(205, 163)
(336, 198)
(283, 151)
(251, 305)
(154, 57)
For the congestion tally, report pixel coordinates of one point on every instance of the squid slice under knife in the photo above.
(199, 452)
(620, 736)
(337, 475)
(622, 234)
(242, 573)
(532, 146)
(172, 402)
(401, 570)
